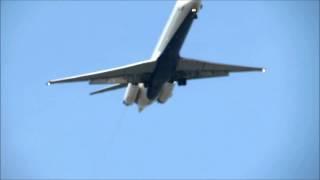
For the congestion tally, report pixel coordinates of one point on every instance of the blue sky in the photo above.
(247, 125)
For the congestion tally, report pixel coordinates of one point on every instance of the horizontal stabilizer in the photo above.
(110, 88)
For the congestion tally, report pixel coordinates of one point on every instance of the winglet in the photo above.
(48, 83)
(263, 70)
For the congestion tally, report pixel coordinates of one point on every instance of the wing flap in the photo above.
(110, 88)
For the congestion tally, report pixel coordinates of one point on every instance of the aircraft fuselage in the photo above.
(167, 51)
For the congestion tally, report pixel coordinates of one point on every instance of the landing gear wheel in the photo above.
(182, 82)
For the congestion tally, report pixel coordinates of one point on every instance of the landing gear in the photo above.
(182, 82)
(194, 11)
(195, 16)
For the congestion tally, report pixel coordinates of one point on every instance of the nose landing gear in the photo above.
(194, 11)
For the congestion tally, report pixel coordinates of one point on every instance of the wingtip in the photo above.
(263, 70)
(48, 83)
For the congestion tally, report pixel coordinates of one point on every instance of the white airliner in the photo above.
(154, 79)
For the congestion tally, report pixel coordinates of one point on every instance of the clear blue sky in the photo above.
(246, 125)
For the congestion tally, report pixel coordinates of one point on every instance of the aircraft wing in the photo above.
(195, 69)
(134, 73)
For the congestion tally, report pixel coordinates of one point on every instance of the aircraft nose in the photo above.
(197, 4)
(194, 4)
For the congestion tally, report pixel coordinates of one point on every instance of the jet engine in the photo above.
(166, 92)
(142, 99)
(131, 94)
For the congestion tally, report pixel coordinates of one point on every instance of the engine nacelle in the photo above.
(142, 99)
(131, 94)
(166, 92)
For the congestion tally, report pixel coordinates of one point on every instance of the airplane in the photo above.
(155, 78)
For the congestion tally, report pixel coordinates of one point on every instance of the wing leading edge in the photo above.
(195, 69)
